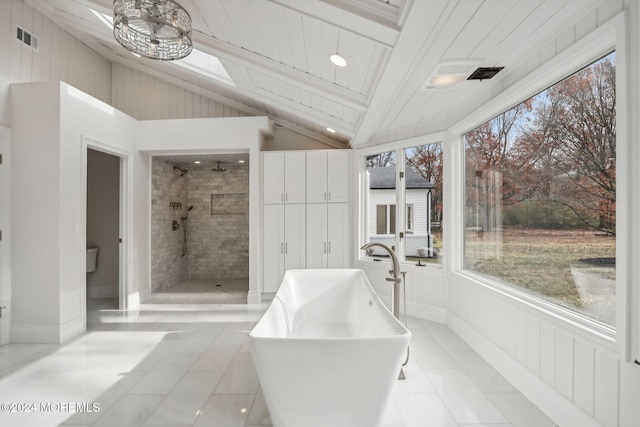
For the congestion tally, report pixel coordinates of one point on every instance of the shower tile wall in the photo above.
(218, 244)
(168, 266)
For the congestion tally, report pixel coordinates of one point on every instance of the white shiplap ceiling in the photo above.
(277, 54)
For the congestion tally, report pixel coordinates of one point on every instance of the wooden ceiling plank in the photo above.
(293, 22)
(489, 15)
(313, 35)
(358, 20)
(360, 69)
(347, 47)
(244, 20)
(268, 17)
(328, 45)
(215, 13)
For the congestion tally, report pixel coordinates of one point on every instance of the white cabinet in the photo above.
(284, 177)
(305, 212)
(327, 176)
(327, 235)
(284, 242)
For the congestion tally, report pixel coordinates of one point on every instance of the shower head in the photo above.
(183, 172)
(218, 169)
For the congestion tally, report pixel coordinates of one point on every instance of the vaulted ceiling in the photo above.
(276, 55)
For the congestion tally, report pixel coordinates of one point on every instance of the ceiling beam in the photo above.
(364, 21)
(302, 80)
(404, 60)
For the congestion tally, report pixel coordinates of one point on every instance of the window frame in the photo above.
(363, 219)
(605, 39)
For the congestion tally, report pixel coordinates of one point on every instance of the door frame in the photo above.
(125, 216)
(5, 228)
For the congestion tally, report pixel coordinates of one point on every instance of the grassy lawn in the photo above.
(542, 261)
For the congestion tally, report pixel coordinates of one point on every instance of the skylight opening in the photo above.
(198, 61)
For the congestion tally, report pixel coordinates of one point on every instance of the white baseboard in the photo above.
(35, 333)
(72, 328)
(557, 407)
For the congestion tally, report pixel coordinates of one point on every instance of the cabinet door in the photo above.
(294, 177)
(316, 176)
(338, 176)
(273, 266)
(294, 236)
(338, 235)
(317, 244)
(273, 177)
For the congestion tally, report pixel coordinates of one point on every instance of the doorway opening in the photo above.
(200, 228)
(103, 225)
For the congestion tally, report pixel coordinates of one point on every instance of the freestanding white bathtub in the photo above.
(327, 351)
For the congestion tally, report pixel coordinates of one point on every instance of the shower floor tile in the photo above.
(214, 291)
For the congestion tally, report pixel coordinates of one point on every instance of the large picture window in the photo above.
(540, 198)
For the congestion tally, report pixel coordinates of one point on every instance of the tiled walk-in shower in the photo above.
(200, 226)
(191, 365)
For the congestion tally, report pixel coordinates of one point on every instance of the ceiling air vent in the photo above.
(484, 73)
(27, 38)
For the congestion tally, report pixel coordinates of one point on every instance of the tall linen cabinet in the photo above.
(305, 212)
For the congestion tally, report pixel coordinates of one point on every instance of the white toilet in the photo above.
(92, 259)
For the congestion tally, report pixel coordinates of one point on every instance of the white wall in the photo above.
(52, 123)
(60, 56)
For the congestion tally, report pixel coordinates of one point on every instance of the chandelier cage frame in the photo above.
(155, 29)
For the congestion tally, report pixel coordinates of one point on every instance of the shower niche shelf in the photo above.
(228, 204)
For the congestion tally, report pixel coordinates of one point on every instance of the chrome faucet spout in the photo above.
(395, 272)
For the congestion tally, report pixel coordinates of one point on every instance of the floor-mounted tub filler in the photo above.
(327, 351)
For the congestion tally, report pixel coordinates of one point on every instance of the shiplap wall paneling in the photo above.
(583, 378)
(606, 390)
(59, 56)
(148, 98)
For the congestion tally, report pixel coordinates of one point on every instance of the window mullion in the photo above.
(400, 203)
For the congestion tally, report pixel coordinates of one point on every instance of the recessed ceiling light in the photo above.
(197, 162)
(240, 161)
(330, 130)
(338, 60)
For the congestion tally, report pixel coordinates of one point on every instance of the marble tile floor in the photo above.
(190, 365)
